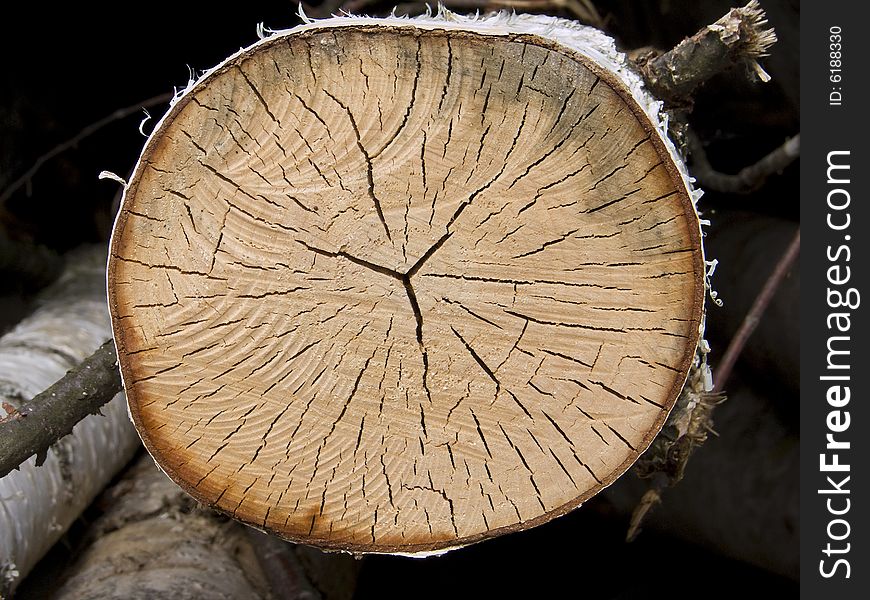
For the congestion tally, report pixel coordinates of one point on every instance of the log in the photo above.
(398, 286)
(154, 542)
(38, 503)
(740, 35)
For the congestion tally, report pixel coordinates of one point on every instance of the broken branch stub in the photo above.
(404, 285)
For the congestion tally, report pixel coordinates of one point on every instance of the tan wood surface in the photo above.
(383, 289)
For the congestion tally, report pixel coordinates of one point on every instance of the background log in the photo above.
(148, 539)
(37, 504)
(748, 247)
(154, 542)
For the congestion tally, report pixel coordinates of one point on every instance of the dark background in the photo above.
(69, 65)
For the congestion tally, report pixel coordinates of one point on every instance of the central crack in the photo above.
(405, 279)
(415, 306)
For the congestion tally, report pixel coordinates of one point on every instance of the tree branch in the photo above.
(42, 421)
(739, 36)
(753, 317)
(749, 178)
(91, 129)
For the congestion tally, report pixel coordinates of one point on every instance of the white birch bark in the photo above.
(38, 504)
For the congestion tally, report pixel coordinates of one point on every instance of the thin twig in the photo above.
(749, 178)
(91, 129)
(49, 416)
(741, 36)
(753, 317)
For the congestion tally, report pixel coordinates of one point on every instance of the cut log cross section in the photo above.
(389, 289)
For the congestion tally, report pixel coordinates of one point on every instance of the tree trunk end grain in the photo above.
(404, 285)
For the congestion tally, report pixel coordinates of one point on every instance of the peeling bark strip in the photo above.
(400, 286)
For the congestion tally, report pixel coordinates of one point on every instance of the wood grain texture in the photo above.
(390, 290)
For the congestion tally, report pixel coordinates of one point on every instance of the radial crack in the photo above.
(369, 167)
